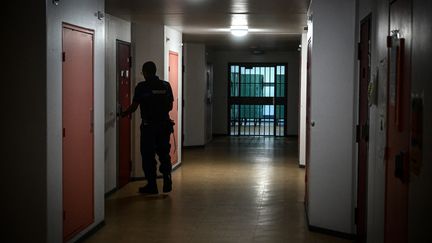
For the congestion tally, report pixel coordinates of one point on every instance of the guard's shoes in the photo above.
(167, 183)
(150, 190)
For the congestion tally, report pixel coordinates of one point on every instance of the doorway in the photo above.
(77, 120)
(173, 80)
(257, 102)
(124, 100)
(363, 127)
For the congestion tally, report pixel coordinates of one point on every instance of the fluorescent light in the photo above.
(240, 30)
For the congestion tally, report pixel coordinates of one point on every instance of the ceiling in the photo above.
(273, 24)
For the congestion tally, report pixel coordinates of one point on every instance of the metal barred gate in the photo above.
(257, 102)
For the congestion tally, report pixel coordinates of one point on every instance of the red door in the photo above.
(77, 130)
(173, 79)
(363, 128)
(124, 98)
(398, 120)
(308, 119)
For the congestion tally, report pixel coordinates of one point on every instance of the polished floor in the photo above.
(247, 189)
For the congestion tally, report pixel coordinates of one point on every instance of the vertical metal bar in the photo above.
(265, 120)
(286, 99)
(254, 120)
(274, 100)
(248, 118)
(239, 106)
(229, 100)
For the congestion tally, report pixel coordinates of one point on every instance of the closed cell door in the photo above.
(363, 129)
(173, 80)
(398, 120)
(77, 113)
(124, 99)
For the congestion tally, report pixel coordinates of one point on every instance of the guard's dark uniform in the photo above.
(155, 98)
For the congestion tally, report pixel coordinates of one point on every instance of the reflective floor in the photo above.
(238, 189)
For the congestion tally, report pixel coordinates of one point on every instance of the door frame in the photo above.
(308, 120)
(117, 120)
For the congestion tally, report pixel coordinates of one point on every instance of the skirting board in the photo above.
(92, 231)
(328, 231)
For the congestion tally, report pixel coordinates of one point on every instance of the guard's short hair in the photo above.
(149, 68)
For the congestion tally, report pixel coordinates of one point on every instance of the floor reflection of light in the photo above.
(264, 175)
(239, 6)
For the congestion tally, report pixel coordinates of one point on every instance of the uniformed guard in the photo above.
(155, 99)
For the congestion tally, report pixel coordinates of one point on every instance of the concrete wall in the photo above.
(150, 43)
(220, 60)
(23, 167)
(195, 94)
(115, 29)
(331, 169)
(81, 13)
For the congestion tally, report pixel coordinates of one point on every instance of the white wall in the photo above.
(174, 42)
(220, 60)
(23, 168)
(332, 163)
(149, 43)
(303, 99)
(81, 13)
(115, 29)
(194, 94)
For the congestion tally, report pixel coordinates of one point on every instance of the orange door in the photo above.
(363, 129)
(77, 130)
(398, 120)
(173, 79)
(124, 98)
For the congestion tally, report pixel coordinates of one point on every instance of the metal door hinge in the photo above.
(63, 56)
(359, 50)
(357, 133)
(64, 215)
(64, 132)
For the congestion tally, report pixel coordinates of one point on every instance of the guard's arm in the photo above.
(131, 109)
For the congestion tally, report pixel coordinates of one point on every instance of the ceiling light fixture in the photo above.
(240, 30)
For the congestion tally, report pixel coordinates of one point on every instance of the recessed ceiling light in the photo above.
(240, 30)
